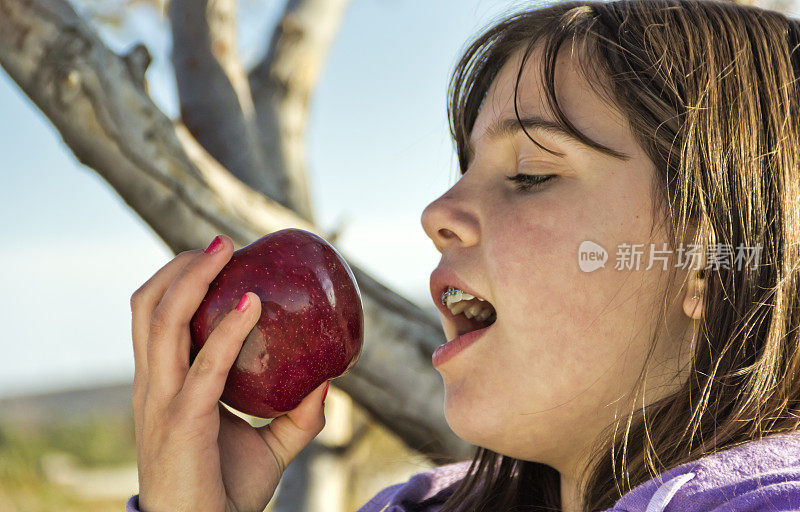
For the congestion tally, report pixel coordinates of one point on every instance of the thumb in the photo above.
(289, 433)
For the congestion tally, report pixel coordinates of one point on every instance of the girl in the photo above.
(629, 209)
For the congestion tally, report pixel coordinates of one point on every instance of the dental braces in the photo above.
(448, 292)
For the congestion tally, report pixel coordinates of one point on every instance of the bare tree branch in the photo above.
(108, 121)
(281, 86)
(214, 94)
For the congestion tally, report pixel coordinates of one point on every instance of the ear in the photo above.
(694, 300)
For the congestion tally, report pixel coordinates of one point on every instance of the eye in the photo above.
(528, 182)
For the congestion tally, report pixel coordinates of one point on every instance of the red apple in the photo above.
(311, 327)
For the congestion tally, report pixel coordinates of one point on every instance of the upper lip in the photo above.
(441, 279)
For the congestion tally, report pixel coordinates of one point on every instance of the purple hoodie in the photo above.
(757, 476)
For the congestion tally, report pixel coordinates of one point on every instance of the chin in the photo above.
(488, 428)
(473, 424)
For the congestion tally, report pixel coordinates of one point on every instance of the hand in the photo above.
(192, 453)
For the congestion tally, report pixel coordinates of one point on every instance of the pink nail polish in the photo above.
(214, 246)
(243, 303)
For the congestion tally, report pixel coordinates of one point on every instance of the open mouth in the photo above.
(467, 312)
(465, 325)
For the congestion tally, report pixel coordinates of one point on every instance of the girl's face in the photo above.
(567, 345)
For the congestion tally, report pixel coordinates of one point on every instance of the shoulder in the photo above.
(759, 475)
(133, 504)
(431, 486)
(762, 474)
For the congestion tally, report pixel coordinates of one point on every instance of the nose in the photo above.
(450, 222)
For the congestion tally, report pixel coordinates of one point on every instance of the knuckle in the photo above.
(203, 365)
(225, 329)
(140, 295)
(137, 297)
(233, 326)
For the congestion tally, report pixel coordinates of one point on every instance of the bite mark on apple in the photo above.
(253, 357)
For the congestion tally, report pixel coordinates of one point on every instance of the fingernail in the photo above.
(325, 394)
(214, 246)
(243, 303)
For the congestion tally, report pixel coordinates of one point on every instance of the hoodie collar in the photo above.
(761, 465)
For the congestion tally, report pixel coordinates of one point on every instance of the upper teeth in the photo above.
(456, 301)
(453, 295)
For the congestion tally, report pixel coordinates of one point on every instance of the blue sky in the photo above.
(379, 151)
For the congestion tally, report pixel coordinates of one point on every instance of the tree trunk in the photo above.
(98, 102)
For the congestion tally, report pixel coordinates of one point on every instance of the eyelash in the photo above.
(528, 182)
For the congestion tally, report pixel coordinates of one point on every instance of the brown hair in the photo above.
(712, 94)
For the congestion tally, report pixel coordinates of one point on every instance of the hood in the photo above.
(757, 476)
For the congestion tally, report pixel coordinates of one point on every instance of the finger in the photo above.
(288, 434)
(144, 300)
(206, 378)
(169, 339)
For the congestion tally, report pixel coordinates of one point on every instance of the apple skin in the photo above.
(311, 326)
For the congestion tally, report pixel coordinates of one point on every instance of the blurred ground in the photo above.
(75, 451)
(85, 462)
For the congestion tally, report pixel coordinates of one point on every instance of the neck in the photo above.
(571, 499)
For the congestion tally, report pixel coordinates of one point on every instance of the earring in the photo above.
(696, 297)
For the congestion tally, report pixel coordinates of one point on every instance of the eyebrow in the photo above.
(506, 128)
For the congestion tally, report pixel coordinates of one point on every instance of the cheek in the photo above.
(534, 265)
(572, 325)
(549, 303)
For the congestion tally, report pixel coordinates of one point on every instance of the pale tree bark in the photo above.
(98, 102)
(214, 94)
(258, 136)
(281, 86)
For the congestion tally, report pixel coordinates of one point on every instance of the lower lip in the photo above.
(449, 350)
